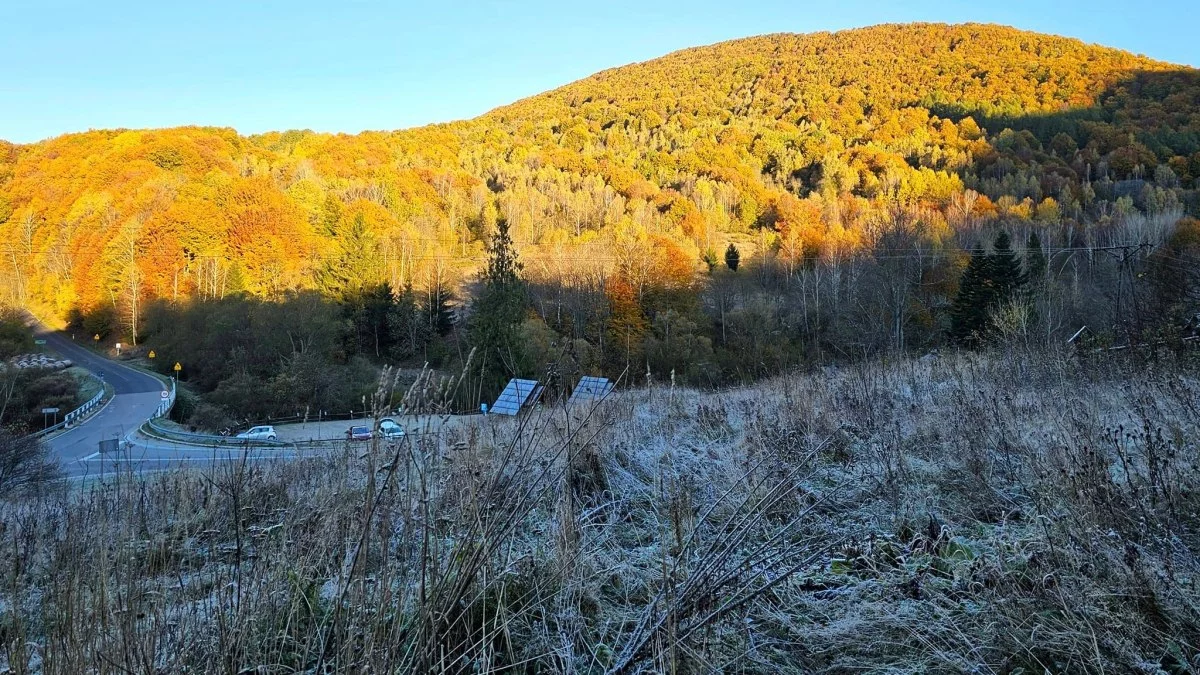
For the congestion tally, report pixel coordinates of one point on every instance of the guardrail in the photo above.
(167, 403)
(76, 414)
(157, 429)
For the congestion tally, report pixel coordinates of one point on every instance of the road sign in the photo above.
(49, 411)
(178, 367)
(151, 354)
(165, 395)
(39, 342)
(96, 337)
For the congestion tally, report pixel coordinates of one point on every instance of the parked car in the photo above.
(264, 433)
(358, 434)
(389, 429)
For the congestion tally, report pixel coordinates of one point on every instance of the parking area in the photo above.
(335, 430)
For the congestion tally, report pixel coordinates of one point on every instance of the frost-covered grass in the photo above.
(969, 513)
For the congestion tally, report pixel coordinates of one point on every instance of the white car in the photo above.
(265, 433)
(389, 429)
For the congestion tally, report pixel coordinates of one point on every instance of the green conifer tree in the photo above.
(498, 312)
(733, 257)
(1005, 273)
(968, 314)
(1035, 260)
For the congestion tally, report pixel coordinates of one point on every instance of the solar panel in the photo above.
(517, 394)
(591, 389)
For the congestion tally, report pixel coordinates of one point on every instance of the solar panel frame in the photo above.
(517, 394)
(591, 389)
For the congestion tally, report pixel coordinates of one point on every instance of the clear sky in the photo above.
(349, 65)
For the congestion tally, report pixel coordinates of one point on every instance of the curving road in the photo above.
(136, 395)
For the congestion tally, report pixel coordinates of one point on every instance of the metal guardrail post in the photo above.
(168, 403)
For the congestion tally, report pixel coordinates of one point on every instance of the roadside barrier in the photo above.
(76, 414)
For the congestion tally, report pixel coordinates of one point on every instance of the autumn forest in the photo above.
(711, 217)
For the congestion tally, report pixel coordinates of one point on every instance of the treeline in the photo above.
(302, 354)
(904, 293)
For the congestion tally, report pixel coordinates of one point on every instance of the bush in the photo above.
(24, 392)
(24, 461)
(208, 417)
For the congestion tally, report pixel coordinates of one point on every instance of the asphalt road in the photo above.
(136, 395)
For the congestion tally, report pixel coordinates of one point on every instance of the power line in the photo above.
(540, 252)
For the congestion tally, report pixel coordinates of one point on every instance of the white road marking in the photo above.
(132, 460)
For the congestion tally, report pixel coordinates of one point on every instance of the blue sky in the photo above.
(349, 65)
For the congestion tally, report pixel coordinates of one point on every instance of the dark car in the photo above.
(358, 433)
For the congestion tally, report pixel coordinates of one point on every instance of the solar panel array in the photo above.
(591, 389)
(516, 395)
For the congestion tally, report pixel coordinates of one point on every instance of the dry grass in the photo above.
(1004, 513)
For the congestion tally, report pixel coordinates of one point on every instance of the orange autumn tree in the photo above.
(701, 146)
(627, 323)
(269, 240)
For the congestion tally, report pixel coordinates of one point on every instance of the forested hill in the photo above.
(793, 145)
(840, 78)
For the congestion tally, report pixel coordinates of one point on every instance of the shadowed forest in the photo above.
(708, 217)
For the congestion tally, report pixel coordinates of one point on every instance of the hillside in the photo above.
(700, 145)
(854, 174)
(997, 514)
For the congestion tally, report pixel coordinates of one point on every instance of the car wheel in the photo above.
(272, 437)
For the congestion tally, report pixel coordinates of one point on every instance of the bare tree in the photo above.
(899, 254)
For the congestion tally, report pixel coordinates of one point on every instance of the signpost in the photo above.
(178, 368)
(96, 337)
(118, 349)
(39, 342)
(151, 354)
(49, 411)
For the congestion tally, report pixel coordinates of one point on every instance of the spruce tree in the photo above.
(989, 281)
(1035, 260)
(733, 257)
(498, 313)
(968, 314)
(375, 336)
(408, 327)
(1006, 274)
(438, 308)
